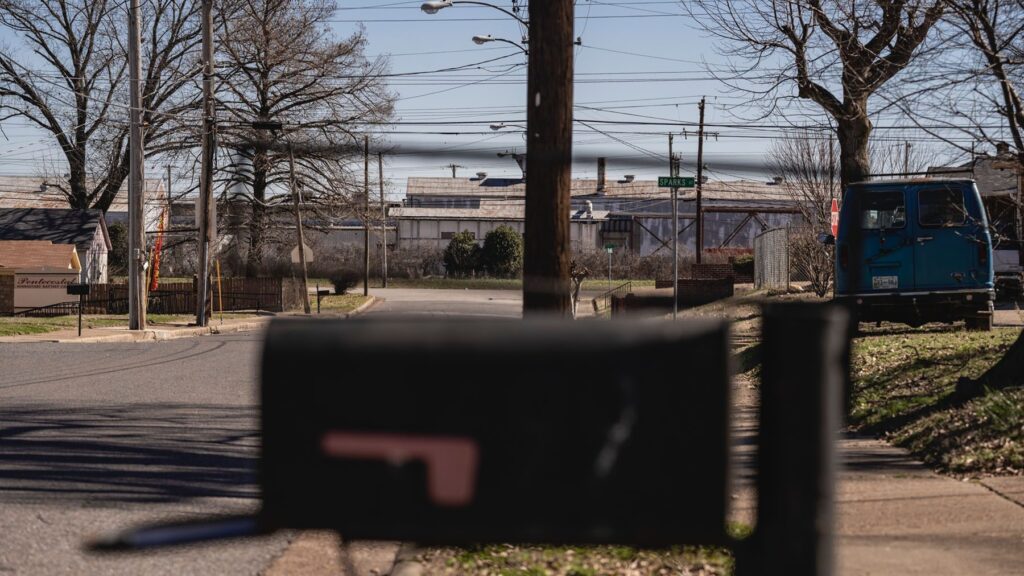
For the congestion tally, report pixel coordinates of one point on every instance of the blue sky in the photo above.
(623, 43)
(640, 61)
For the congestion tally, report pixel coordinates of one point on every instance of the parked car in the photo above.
(925, 253)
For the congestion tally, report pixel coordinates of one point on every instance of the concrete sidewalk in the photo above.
(894, 515)
(897, 517)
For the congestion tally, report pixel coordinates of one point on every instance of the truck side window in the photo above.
(942, 207)
(881, 210)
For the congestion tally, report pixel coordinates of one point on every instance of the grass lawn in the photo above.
(339, 303)
(17, 326)
(904, 383)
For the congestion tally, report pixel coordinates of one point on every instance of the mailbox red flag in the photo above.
(835, 217)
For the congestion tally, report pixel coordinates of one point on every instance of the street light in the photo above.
(434, 6)
(497, 127)
(484, 39)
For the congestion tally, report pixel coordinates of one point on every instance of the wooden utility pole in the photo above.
(675, 232)
(549, 159)
(366, 215)
(298, 230)
(700, 183)
(136, 179)
(906, 157)
(383, 223)
(207, 223)
(453, 166)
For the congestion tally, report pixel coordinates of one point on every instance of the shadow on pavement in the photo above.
(128, 453)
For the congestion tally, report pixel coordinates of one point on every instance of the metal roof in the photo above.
(487, 212)
(24, 192)
(713, 190)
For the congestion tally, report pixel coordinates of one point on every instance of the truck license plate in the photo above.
(885, 282)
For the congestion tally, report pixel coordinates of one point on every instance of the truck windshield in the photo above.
(883, 209)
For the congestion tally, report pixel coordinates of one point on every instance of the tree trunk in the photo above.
(257, 214)
(79, 199)
(1007, 372)
(854, 130)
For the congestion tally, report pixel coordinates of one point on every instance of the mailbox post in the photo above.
(80, 290)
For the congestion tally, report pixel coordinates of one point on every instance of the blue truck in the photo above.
(920, 251)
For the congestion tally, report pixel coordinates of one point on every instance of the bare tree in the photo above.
(78, 96)
(996, 32)
(836, 55)
(577, 274)
(282, 65)
(808, 165)
(975, 95)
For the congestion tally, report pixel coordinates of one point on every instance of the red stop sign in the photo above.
(835, 217)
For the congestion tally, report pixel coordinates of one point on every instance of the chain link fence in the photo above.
(771, 259)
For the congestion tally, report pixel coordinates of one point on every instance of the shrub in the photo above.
(416, 262)
(117, 259)
(743, 265)
(503, 252)
(344, 280)
(811, 260)
(462, 256)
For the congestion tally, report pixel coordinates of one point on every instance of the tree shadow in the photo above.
(161, 452)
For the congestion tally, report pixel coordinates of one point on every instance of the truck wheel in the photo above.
(980, 323)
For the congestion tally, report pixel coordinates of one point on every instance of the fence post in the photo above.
(805, 352)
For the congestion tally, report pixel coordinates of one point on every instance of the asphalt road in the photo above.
(98, 437)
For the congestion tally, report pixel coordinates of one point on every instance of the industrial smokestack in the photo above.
(601, 162)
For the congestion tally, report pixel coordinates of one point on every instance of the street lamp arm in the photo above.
(432, 7)
(488, 38)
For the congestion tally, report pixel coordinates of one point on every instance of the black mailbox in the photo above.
(529, 431)
(78, 289)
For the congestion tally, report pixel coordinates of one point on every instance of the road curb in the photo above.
(151, 335)
(370, 301)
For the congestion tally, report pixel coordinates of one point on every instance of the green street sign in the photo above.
(675, 182)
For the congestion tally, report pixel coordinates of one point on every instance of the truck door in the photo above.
(943, 245)
(888, 256)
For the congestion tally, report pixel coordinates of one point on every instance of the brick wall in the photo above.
(692, 292)
(6, 292)
(711, 271)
